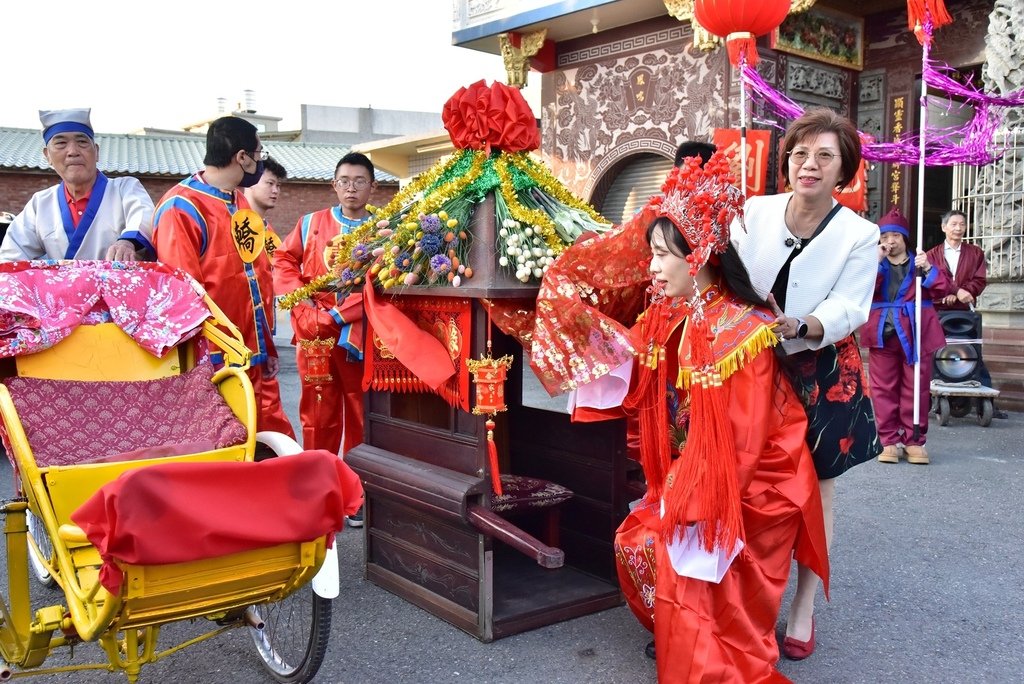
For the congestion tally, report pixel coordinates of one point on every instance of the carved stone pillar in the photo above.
(999, 211)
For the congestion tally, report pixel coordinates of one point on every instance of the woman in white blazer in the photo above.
(815, 261)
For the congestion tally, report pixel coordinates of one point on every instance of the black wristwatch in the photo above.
(801, 328)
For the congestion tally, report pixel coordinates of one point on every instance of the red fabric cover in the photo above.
(482, 117)
(70, 421)
(181, 512)
(521, 493)
(418, 350)
(588, 300)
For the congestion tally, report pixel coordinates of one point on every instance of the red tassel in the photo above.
(648, 399)
(742, 44)
(919, 10)
(492, 455)
(706, 468)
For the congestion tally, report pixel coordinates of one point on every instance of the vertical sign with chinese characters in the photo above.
(899, 125)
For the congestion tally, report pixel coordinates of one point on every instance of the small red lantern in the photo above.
(317, 354)
(489, 375)
(740, 22)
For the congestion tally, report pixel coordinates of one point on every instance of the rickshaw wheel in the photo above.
(293, 640)
(39, 547)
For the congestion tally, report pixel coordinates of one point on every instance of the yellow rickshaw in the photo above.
(87, 343)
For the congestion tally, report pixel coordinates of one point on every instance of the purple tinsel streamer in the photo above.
(967, 144)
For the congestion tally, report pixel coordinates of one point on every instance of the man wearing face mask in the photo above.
(205, 226)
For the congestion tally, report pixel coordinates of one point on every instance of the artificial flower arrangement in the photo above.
(421, 237)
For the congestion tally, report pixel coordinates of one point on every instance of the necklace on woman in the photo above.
(800, 235)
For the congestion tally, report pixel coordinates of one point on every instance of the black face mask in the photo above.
(251, 179)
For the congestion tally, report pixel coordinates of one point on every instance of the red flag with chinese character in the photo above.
(854, 195)
(728, 141)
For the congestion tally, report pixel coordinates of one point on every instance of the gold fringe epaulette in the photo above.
(741, 333)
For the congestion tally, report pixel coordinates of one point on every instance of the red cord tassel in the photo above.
(742, 44)
(919, 10)
(492, 455)
(701, 486)
(648, 399)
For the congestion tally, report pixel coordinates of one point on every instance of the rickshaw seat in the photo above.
(68, 422)
(219, 587)
(99, 352)
(176, 559)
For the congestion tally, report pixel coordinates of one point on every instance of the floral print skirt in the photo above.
(634, 556)
(831, 384)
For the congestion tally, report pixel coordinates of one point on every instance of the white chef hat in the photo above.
(65, 120)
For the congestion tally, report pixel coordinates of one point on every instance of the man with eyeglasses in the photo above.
(331, 409)
(205, 226)
(87, 215)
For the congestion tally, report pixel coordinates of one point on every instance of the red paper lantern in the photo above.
(489, 374)
(740, 22)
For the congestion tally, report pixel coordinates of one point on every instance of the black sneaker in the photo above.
(355, 520)
(1003, 415)
(649, 651)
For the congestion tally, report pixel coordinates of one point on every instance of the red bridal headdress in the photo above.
(702, 202)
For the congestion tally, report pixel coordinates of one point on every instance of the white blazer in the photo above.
(38, 231)
(832, 279)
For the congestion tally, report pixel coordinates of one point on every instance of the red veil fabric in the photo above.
(180, 512)
(588, 301)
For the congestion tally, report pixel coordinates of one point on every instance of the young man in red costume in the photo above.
(732, 492)
(263, 196)
(205, 226)
(331, 325)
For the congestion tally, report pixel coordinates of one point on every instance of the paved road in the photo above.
(928, 570)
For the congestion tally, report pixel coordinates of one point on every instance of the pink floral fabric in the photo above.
(70, 421)
(41, 302)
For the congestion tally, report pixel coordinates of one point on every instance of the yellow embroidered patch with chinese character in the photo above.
(249, 234)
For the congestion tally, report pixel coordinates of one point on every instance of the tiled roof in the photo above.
(171, 155)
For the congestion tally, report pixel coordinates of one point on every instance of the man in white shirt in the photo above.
(964, 263)
(86, 215)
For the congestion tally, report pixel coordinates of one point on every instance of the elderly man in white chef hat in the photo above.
(87, 215)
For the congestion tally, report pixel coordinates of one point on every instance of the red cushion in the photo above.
(521, 493)
(71, 421)
(150, 516)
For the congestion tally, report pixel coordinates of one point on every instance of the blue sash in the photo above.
(345, 336)
(897, 305)
(77, 235)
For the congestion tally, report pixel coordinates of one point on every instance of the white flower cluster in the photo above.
(524, 248)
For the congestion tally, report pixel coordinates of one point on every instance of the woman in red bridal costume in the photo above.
(732, 493)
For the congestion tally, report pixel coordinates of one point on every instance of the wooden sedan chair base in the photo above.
(435, 538)
(435, 533)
